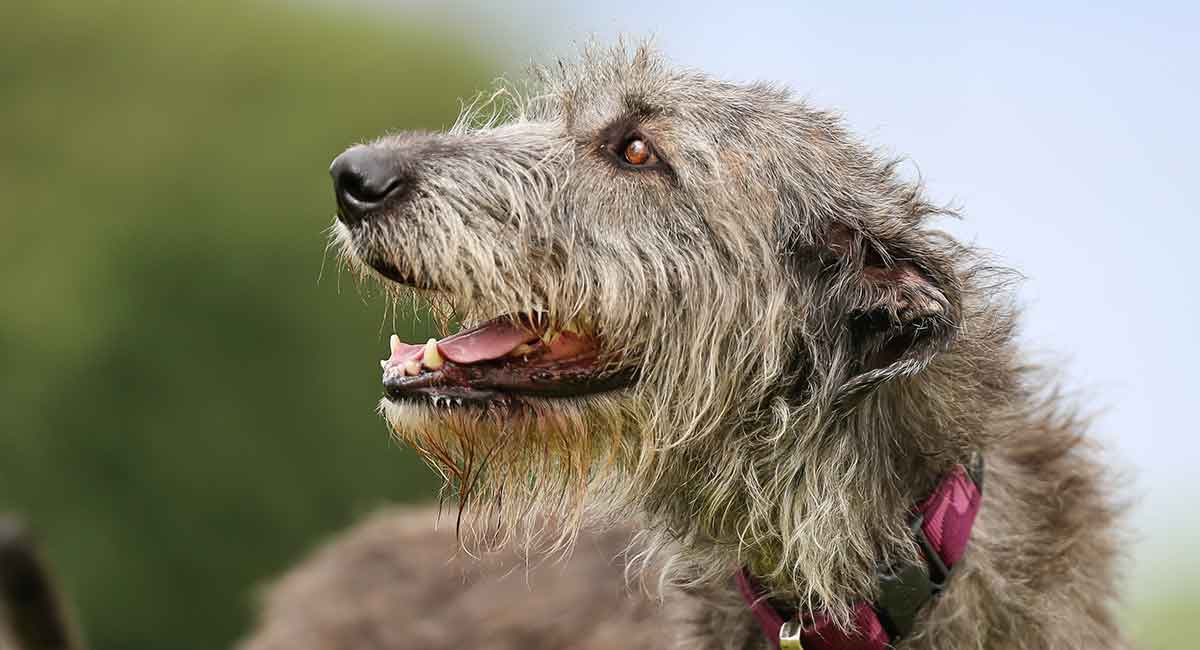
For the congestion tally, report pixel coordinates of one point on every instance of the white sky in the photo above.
(1068, 136)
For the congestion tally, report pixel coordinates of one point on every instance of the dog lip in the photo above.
(362, 250)
(507, 378)
(430, 385)
(390, 272)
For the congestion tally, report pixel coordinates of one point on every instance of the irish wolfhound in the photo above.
(707, 304)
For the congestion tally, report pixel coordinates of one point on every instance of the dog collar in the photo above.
(941, 526)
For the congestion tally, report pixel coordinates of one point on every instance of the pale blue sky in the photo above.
(1067, 134)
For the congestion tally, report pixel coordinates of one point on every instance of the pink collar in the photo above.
(941, 526)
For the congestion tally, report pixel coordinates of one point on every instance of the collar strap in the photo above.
(941, 526)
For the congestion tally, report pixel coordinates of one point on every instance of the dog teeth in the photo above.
(383, 363)
(395, 343)
(412, 367)
(549, 336)
(432, 359)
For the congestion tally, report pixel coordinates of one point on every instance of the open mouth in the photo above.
(501, 360)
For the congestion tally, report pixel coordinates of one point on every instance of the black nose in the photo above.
(364, 179)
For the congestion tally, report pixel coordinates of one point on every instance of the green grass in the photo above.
(1166, 610)
(184, 408)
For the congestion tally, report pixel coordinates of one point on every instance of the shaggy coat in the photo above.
(808, 355)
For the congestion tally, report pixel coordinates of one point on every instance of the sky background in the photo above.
(1065, 133)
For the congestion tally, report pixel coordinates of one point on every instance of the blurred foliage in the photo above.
(184, 407)
(1165, 621)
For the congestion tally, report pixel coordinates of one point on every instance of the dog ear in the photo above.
(899, 305)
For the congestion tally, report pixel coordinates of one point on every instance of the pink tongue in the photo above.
(406, 352)
(491, 340)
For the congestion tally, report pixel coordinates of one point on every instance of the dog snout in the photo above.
(365, 179)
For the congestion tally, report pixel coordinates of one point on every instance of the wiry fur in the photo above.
(397, 583)
(813, 354)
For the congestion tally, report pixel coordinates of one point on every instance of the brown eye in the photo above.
(637, 152)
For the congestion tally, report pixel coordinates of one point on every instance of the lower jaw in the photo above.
(479, 398)
(470, 396)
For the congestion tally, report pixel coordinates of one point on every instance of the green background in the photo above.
(188, 387)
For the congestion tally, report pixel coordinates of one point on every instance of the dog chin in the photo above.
(406, 415)
(423, 415)
(435, 418)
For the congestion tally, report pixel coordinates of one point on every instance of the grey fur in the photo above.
(397, 582)
(813, 355)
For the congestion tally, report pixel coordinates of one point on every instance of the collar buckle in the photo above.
(789, 634)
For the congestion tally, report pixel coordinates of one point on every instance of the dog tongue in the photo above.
(488, 341)
(406, 352)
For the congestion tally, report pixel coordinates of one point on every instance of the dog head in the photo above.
(674, 293)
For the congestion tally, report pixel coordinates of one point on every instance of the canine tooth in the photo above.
(412, 367)
(548, 336)
(395, 343)
(432, 359)
(383, 363)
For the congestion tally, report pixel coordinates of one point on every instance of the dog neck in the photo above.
(941, 526)
(815, 512)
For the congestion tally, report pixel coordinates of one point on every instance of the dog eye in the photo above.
(638, 153)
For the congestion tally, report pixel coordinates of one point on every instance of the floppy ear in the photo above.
(900, 302)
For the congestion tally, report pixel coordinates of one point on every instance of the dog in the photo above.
(706, 309)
